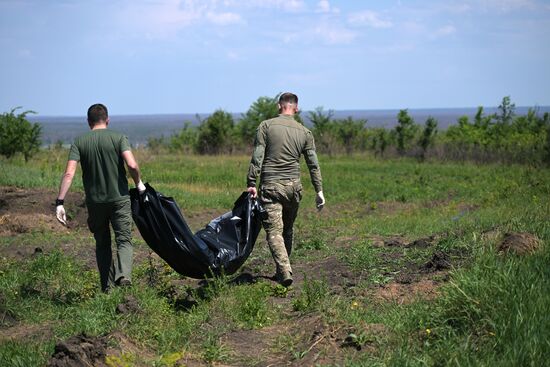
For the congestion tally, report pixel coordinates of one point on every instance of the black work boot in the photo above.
(285, 278)
(124, 282)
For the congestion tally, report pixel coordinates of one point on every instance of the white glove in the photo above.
(141, 187)
(60, 214)
(320, 200)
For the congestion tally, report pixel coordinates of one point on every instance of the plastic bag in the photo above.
(221, 247)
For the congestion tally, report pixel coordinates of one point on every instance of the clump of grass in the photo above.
(23, 354)
(213, 350)
(492, 313)
(312, 296)
(313, 243)
(251, 308)
(33, 288)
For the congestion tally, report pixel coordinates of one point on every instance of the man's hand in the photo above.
(320, 200)
(141, 187)
(60, 214)
(253, 192)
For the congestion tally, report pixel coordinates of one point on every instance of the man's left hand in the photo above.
(60, 214)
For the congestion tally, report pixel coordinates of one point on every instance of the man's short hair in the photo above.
(97, 112)
(288, 97)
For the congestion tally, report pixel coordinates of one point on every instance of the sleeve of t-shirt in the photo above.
(74, 154)
(124, 144)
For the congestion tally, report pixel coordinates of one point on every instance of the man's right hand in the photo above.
(141, 187)
(60, 214)
(320, 200)
(253, 192)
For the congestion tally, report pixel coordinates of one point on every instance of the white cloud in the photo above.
(334, 35)
(504, 5)
(285, 5)
(159, 19)
(164, 18)
(459, 7)
(323, 6)
(224, 18)
(444, 31)
(233, 55)
(369, 18)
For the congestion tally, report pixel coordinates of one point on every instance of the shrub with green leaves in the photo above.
(18, 135)
(263, 108)
(215, 134)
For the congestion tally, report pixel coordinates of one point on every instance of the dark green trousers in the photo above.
(118, 215)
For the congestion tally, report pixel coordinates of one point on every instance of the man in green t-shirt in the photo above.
(279, 144)
(102, 154)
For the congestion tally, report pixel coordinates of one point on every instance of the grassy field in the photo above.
(401, 268)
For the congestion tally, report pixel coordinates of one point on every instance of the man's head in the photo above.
(97, 114)
(288, 103)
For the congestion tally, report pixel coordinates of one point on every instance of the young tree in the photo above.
(506, 111)
(263, 108)
(380, 141)
(323, 129)
(185, 140)
(348, 131)
(216, 133)
(428, 136)
(405, 131)
(18, 135)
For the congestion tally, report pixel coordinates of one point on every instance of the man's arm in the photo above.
(66, 181)
(133, 167)
(255, 168)
(314, 170)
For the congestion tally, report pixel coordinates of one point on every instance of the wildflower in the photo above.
(428, 331)
(354, 305)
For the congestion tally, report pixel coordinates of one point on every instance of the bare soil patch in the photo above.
(313, 343)
(21, 331)
(27, 209)
(407, 293)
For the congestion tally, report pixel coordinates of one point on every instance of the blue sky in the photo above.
(191, 56)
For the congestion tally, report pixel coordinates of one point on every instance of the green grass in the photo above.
(491, 310)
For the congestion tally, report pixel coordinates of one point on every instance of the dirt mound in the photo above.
(519, 243)
(439, 261)
(79, 350)
(22, 210)
(129, 305)
(407, 293)
(11, 224)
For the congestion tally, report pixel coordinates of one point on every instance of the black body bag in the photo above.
(221, 247)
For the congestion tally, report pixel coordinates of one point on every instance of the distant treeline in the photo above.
(502, 136)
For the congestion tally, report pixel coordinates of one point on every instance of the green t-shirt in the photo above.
(103, 172)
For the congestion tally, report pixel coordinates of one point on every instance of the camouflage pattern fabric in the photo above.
(281, 200)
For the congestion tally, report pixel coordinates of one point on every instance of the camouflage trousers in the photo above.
(281, 200)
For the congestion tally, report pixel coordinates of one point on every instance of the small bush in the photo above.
(18, 135)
